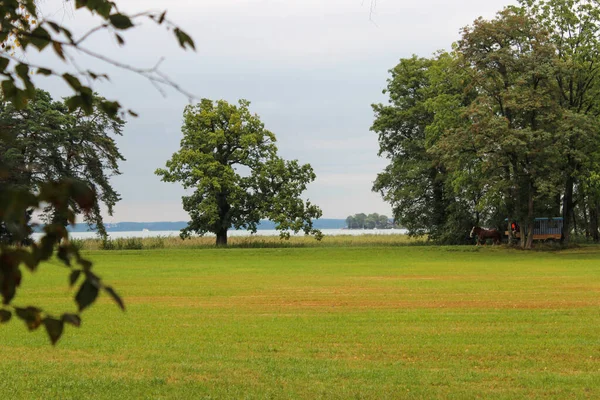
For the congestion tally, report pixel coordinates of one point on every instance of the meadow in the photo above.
(330, 322)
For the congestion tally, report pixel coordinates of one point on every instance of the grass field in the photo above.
(326, 322)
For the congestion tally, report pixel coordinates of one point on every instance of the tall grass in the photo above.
(160, 242)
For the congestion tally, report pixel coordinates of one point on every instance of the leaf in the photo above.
(63, 254)
(161, 19)
(132, 113)
(22, 71)
(115, 296)
(44, 71)
(27, 258)
(120, 39)
(184, 39)
(40, 38)
(120, 21)
(111, 108)
(31, 317)
(72, 319)
(72, 81)
(9, 89)
(54, 327)
(55, 27)
(59, 50)
(74, 276)
(5, 316)
(88, 292)
(104, 8)
(3, 63)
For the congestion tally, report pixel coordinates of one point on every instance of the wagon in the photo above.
(548, 229)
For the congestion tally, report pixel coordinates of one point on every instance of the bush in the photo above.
(122, 244)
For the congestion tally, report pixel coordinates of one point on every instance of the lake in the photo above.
(232, 233)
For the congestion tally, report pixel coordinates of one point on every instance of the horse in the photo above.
(484, 234)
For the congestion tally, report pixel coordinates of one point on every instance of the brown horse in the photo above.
(484, 234)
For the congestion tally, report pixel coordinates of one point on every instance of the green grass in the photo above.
(325, 322)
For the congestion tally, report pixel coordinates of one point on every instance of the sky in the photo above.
(311, 69)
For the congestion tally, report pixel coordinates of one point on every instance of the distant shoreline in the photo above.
(232, 233)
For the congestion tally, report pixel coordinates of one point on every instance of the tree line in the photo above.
(371, 221)
(502, 128)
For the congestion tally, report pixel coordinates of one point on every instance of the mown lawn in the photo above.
(364, 322)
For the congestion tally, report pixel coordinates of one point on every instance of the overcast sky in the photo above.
(311, 69)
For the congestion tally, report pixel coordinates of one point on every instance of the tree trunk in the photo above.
(586, 220)
(567, 211)
(594, 221)
(222, 237)
(556, 208)
(224, 221)
(529, 243)
(530, 218)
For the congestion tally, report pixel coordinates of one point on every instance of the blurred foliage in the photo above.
(23, 28)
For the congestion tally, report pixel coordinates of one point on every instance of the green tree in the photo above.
(574, 28)
(22, 29)
(426, 98)
(513, 120)
(351, 222)
(230, 160)
(49, 143)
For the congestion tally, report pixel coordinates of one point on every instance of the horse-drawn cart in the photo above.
(548, 229)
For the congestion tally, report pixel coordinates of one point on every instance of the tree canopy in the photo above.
(504, 126)
(371, 221)
(230, 161)
(47, 142)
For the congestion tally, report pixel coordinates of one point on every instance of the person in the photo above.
(514, 227)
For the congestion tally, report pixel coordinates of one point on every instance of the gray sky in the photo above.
(311, 69)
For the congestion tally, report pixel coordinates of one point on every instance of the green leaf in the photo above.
(27, 258)
(5, 316)
(72, 319)
(111, 108)
(22, 71)
(72, 81)
(31, 317)
(44, 71)
(88, 292)
(63, 254)
(3, 63)
(120, 21)
(74, 276)
(115, 297)
(40, 38)
(184, 39)
(54, 327)
(9, 89)
(55, 27)
(105, 8)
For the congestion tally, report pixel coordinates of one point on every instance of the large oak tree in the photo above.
(230, 161)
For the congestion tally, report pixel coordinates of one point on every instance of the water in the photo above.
(234, 233)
